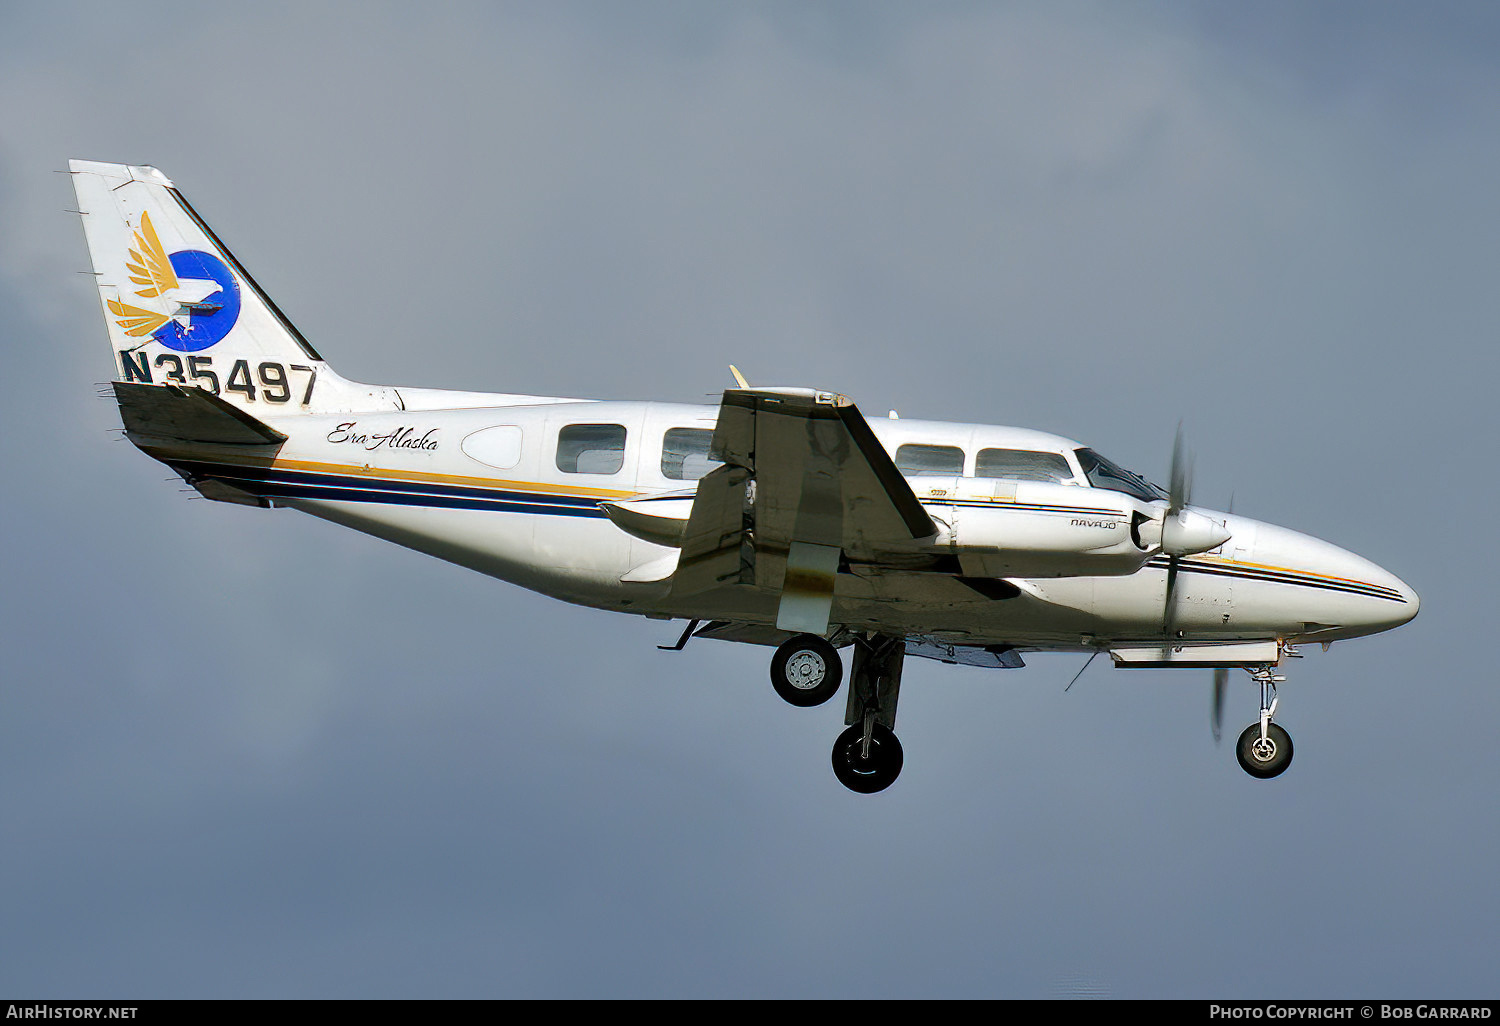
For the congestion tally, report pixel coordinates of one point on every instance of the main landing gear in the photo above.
(1265, 748)
(806, 671)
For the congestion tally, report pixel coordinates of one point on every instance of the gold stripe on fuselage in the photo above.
(1221, 561)
(370, 471)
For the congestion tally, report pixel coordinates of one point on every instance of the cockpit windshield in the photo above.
(1104, 474)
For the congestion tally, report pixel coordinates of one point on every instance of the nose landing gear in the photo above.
(1265, 748)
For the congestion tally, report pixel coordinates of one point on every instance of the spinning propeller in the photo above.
(1185, 531)
(1221, 683)
(1179, 490)
(1221, 675)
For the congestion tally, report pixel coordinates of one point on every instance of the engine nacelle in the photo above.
(1003, 528)
(1000, 528)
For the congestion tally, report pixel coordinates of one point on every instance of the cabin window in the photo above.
(1022, 465)
(684, 454)
(591, 448)
(930, 460)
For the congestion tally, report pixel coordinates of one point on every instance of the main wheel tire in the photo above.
(807, 670)
(876, 773)
(1268, 758)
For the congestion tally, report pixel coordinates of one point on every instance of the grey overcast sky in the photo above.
(246, 754)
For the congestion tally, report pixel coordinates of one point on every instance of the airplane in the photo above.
(782, 517)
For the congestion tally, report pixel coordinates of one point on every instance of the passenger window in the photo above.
(591, 449)
(1022, 465)
(930, 460)
(684, 454)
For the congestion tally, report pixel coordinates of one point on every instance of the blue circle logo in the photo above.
(210, 318)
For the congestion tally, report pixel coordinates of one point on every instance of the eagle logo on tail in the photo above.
(150, 266)
(194, 285)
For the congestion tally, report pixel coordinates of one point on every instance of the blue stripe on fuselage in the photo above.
(273, 482)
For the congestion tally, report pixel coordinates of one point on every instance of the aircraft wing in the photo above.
(805, 484)
(821, 476)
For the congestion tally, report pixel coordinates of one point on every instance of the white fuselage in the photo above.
(502, 484)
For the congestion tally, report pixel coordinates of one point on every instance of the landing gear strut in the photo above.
(867, 757)
(1265, 748)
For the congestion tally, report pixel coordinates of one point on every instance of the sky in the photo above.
(244, 753)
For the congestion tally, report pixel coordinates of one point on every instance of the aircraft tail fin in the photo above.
(181, 310)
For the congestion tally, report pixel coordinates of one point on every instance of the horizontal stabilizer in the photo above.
(188, 414)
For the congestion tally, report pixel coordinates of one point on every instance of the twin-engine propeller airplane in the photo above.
(780, 518)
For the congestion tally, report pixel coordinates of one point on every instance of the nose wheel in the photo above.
(1266, 756)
